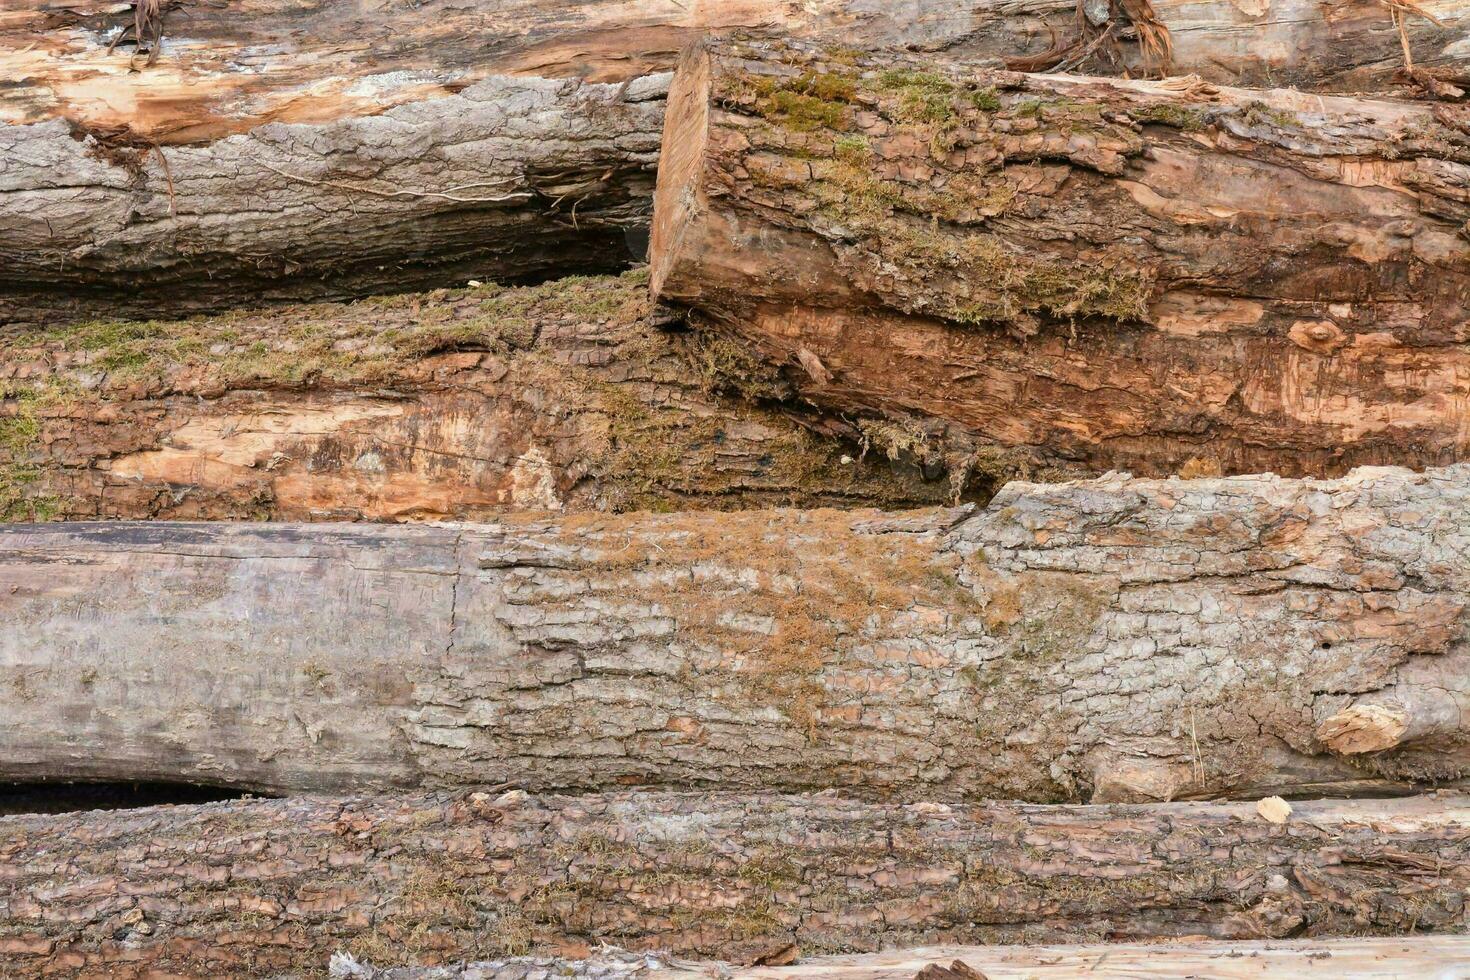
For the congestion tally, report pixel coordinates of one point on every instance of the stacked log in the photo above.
(1112, 274)
(455, 405)
(1102, 640)
(259, 888)
(282, 149)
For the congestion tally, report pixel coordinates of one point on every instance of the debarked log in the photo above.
(1109, 640)
(1116, 274)
(280, 149)
(256, 888)
(1299, 959)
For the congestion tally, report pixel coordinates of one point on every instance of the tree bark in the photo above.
(286, 149)
(1134, 275)
(1108, 640)
(452, 405)
(259, 887)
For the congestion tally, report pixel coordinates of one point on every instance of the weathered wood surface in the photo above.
(1304, 959)
(1381, 959)
(1130, 275)
(320, 148)
(1108, 640)
(260, 887)
(452, 405)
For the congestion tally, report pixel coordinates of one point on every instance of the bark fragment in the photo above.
(263, 887)
(1131, 275)
(1109, 640)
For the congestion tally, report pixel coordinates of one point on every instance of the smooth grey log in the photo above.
(1115, 639)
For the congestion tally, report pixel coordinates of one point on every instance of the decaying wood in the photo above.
(259, 887)
(308, 148)
(451, 405)
(1426, 956)
(1108, 640)
(1133, 275)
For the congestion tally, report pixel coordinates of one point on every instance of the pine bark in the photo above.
(454, 405)
(1111, 274)
(284, 149)
(260, 888)
(1108, 641)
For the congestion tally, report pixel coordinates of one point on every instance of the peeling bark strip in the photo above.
(1129, 275)
(458, 404)
(1108, 640)
(253, 888)
(306, 148)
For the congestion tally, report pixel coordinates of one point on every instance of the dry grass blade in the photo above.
(147, 29)
(1096, 37)
(1153, 36)
(1399, 11)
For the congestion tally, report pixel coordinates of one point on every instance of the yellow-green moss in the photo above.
(1259, 113)
(1179, 117)
(341, 344)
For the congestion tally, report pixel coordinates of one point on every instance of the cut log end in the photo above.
(681, 159)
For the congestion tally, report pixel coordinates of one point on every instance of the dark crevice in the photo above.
(62, 797)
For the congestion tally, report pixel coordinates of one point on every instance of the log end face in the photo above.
(677, 197)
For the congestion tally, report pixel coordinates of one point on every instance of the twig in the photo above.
(1086, 52)
(1398, 12)
(168, 176)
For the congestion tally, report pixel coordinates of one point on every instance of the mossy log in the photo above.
(279, 149)
(457, 404)
(258, 888)
(1112, 640)
(1151, 276)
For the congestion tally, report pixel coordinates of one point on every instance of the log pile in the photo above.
(780, 610)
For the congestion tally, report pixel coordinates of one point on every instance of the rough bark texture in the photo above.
(1109, 640)
(307, 148)
(457, 404)
(1132, 275)
(256, 888)
(1420, 956)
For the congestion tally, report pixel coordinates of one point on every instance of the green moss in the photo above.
(1179, 117)
(326, 346)
(852, 150)
(808, 102)
(985, 99)
(923, 97)
(21, 496)
(728, 366)
(1259, 113)
(1006, 283)
(897, 440)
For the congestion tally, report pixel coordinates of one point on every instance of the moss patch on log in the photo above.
(656, 420)
(842, 133)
